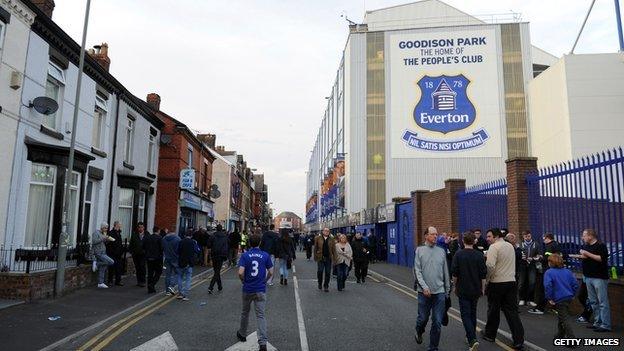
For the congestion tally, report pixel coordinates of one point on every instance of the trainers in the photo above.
(531, 303)
(581, 319)
(473, 345)
(102, 286)
(209, 291)
(521, 303)
(240, 337)
(185, 298)
(418, 338)
(179, 297)
(535, 311)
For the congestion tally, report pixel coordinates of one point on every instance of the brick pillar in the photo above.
(518, 192)
(417, 199)
(453, 187)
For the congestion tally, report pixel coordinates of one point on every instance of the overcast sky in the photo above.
(256, 72)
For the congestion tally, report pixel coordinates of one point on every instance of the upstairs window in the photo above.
(99, 120)
(53, 89)
(129, 139)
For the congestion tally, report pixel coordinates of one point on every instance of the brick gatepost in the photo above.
(453, 187)
(518, 192)
(417, 198)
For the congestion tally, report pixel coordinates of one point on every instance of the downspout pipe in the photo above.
(618, 18)
(113, 166)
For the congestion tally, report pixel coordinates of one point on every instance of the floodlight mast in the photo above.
(63, 237)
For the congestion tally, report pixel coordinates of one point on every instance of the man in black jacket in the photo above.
(187, 251)
(360, 257)
(114, 250)
(551, 247)
(219, 244)
(152, 245)
(234, 240)
(268, 244)
(138, 253)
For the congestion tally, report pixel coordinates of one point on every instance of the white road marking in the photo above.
(302, 330)
(250, 345)
(163, 342)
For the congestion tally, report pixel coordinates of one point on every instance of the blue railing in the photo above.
(585, 193)
(483, 206)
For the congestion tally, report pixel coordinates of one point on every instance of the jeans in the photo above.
(154, 270)
(599, 300)
(184, 280)
(217, 263)
(527, 282)
(342, 275)
(283, 268)
(324, 266)
(468, 310)
(426, 305)
(259, 300)
(171, 278)
(103, 261)
(563, 327)
(504, 296)
(270, 281)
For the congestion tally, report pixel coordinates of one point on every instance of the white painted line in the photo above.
(507, 335)
(302, 330)
(293, 269)
(163, 342)
(113, 317)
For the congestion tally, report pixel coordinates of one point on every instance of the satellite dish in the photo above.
(165, 139)
(44, 105)
(214, 187)
(215, 194)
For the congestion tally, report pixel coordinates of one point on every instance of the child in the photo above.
(560, 286)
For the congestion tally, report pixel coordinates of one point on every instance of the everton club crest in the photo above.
(444, 107)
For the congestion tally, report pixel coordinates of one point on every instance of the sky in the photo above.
(256, 72)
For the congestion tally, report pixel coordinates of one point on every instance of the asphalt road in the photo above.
(372, 316)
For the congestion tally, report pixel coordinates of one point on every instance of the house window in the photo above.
(151, 153)
(73, 207)
(40, 205)
(141, 209)
(129, 140)
(124, 214)
(205, 178)
(190, 157)
(88, 201)
(99, 117)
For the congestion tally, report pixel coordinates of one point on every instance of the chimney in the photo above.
(46, 6)
(153, 100)
(100, 54)
(209, 139)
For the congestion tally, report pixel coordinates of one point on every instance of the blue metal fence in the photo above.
(585, 193)
(483, 206)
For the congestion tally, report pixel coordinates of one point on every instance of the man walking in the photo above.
(254, 269)
(433, 286)
(324, 255)
(502, 291)
(469, 272)
(219, 244)
(268, 244)
(114, 250)
(137, 249)
(360, 258)
(188, 249)
(170, 244)
(596, 272)
(233, 243)
(154, 258)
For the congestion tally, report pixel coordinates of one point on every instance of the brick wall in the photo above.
(518, 192)
(438, 208)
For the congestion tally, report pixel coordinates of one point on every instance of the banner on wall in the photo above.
(445, 93)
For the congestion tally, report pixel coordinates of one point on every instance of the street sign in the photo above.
(187, 178)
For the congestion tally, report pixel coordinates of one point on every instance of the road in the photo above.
(378, 315)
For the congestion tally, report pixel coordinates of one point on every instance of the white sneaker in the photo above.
(532, 304)
(521, 303)
(102, 286)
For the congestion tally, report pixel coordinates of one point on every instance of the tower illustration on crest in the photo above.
(443, 98)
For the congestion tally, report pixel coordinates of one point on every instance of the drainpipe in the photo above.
(618, 18)
(113, 167)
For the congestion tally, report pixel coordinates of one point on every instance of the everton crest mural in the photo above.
(444, 95)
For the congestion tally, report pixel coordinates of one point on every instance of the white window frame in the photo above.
(51, 221)
(141, 207)
(127, 233)
(189, 156)
(56, 72)
(77, 205)
(99, 118)
(151, 153)
(88, 201)
(130, 126)
(58, 98)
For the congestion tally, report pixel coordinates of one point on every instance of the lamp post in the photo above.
(64, 237)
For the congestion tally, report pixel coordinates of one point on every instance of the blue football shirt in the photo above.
(256, 263)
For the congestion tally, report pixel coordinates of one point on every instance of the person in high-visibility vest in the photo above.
(243, 242)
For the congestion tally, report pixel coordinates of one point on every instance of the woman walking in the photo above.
(286, 253)
(344, 255)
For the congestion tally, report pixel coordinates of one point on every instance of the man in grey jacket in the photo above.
(98, 241)
(433, 286)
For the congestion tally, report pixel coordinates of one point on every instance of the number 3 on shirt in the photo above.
(254, 268)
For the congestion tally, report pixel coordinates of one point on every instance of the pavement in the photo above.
(378, 315)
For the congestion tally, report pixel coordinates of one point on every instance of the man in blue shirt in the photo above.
(254, 270)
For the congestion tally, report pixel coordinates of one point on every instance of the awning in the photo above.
(363, 227)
